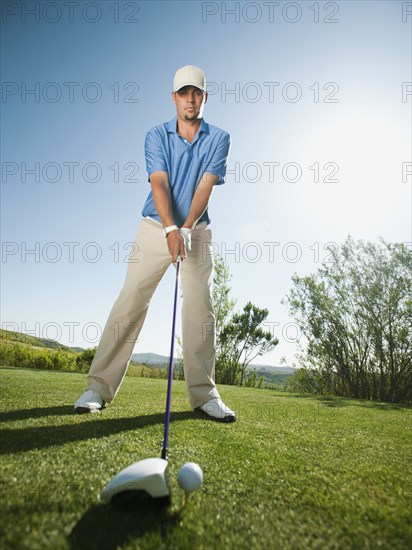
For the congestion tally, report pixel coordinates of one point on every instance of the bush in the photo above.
(23, 356)
(356, 315)
(85, 359)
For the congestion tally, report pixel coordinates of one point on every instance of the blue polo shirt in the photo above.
(185, 163)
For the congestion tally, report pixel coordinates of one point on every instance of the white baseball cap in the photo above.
(189, 75)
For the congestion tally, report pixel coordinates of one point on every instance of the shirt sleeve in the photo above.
(154, 153)
(217, 163)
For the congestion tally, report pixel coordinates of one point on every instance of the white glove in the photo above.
(186, 233)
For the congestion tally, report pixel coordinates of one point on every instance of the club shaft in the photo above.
(170, 373)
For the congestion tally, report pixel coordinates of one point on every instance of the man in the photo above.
(185, 159)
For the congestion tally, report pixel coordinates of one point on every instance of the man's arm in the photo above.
(162, 197)
(200, 199)
(163, 202)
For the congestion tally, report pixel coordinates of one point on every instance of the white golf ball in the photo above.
(190, 477)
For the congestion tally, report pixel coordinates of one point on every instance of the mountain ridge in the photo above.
(155, 358)
(148, 358)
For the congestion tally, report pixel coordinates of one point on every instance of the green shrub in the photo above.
(24, 356)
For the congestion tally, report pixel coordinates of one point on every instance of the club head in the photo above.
(146, 478)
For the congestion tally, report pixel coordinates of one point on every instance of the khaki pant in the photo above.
(147, 265)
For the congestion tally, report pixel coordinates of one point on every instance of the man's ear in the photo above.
(173, 98)
(206, 96)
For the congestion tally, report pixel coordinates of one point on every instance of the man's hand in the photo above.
(176, 245)
(186, 233)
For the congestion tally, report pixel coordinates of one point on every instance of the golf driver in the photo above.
(148, 476)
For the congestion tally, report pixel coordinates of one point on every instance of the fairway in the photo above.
(294, 472)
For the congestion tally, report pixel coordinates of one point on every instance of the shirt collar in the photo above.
(171, 126)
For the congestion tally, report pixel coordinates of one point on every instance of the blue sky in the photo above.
(308, 91)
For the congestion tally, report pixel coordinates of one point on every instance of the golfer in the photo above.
(185, 159)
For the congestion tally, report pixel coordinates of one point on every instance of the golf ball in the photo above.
(190, 477)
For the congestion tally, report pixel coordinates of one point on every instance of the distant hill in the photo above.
(20, 337)
(270, 369)
(271, 374)
(153, 359)
(156, 359)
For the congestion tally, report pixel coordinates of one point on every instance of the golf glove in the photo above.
(186, 233)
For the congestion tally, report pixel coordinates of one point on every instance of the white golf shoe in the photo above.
(89, 402)
(215, 408)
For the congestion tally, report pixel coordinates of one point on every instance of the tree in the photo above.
(223, 306)
(243, 339)
(239, 337)
(222, 302)
(356, 313)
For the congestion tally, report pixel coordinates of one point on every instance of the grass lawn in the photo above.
(294, 472)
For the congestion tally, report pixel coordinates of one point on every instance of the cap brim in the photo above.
(189, 84)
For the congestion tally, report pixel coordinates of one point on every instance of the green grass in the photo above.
(294, 472)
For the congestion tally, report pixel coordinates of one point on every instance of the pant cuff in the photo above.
(196, 402)
(101, 389)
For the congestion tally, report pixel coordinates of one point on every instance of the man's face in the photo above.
(189, 102)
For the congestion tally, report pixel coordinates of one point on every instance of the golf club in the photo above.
(148, 476)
